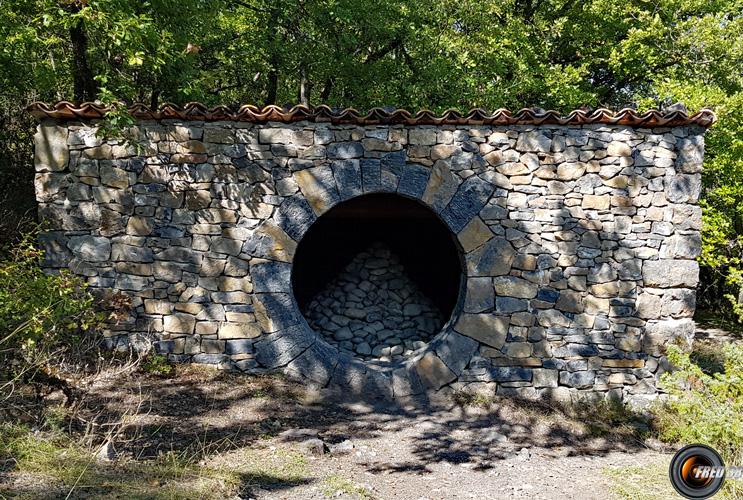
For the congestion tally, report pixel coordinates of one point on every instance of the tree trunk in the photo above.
(305, 86)
(85, 87)
(273, 82)
(154, 99)
(326, 90)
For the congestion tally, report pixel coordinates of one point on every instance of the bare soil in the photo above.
(266, 429)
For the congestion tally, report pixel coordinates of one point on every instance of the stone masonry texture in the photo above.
(578, 245)
(373, 310)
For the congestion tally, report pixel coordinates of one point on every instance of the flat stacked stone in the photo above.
(373, 309)
(578, 243)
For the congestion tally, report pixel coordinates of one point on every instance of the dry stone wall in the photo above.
(578, 244)
(374, 310)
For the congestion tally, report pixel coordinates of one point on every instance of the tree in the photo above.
(559, 54)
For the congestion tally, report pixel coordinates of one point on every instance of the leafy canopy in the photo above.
(559, 54)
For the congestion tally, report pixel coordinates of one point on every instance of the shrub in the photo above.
(43, 316)
(705, 408)
(157, 364)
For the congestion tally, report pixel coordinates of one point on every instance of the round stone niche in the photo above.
(377, 277)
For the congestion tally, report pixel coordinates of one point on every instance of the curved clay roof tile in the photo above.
(65, 110)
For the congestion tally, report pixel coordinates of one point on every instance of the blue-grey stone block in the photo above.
(562, 330)
(210, 359)
(164, 346)
(246, 365)
(548, 295)
(467, 202)
(633, 355)
(617, 354)
(580, 380)
(552, 363)
(570, 350)
(601, 323)
(279, 349)
(316, 363)
(271, 276)
(480, 295)
(238, 346)
(414, 180)
(345, 150)
(135, 164)
(510, 305)
(295, 216)
(392, 166)
(621, 311)
(241, 308)
(149, 188)
(347, 175)
(455, 350)
(601, 337)
(169, 232)
(371, 175)
(405, 382)
(281, 309)
(510, 374)
(179, 358)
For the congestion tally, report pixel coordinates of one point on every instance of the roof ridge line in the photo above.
(66, 110)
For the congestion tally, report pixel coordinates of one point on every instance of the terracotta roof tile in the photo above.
(65, 110)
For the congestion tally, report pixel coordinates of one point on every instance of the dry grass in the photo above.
(336, 485)
(641, 483)
(73, 470)
(594, 419)
(53, 451)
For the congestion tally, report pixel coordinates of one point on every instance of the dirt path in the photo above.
(268, 438)
(456, 453)
(441, 456)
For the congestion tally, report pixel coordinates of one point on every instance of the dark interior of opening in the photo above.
(424, 244)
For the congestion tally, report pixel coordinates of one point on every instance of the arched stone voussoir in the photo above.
(471, 196)
(278, 349)
(276, 312)
(318, 186)
(347, 174)
(362, 379)
(295, 216)
(316, 364)
(269, 241)
(414, 180)
(454, 350)
(406, 382)
(270, 276)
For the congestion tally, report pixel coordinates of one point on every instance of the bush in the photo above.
(157, 364)
(43, 317)
(705, 408)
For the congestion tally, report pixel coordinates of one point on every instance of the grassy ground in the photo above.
(651, 483)
(196, 432)
(641, 483)
(59, 457)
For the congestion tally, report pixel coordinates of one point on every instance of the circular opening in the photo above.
(377, 276)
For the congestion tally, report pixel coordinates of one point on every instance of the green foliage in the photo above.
(41, 314)
(438, 54)
(63, 464)
(157, 364)
(705, 408)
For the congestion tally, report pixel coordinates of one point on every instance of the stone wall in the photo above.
(578, 242)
